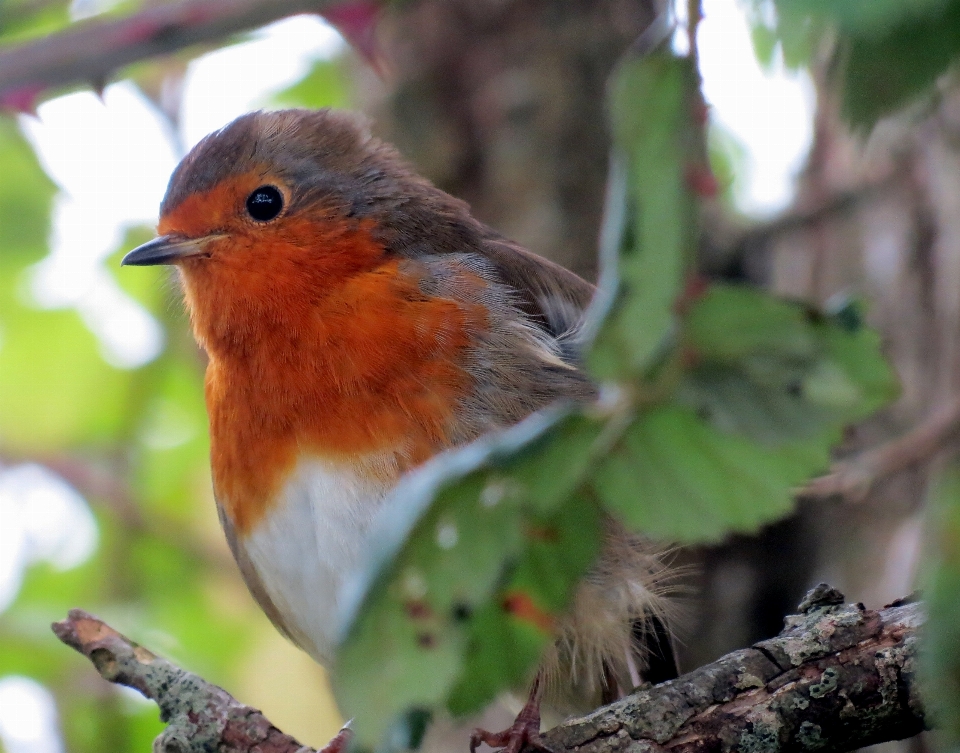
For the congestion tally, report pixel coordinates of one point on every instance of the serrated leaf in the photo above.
(857, 350)
(501, 514)
(652, 107)
(676, 477)
(766, 404)
(731, 321)
(552, 470)
(775, 371)
(509, 637)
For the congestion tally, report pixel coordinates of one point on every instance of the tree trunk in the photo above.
(502, 103)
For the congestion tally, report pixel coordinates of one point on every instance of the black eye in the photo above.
(265, 203)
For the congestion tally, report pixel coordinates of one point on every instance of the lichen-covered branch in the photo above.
(200, 716)
(92, 51)
(838, 676)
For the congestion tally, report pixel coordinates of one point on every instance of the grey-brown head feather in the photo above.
(329, 162)
(329, 158)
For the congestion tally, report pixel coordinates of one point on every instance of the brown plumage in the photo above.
(358, 321)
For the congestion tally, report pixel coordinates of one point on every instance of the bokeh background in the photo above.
(105, 498)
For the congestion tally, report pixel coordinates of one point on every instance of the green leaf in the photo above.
(728, 159)
(883, 72)
(21, 20)
(862, 16)
(26, 198)
(765, 43)
(857, 351)
(325, 85)
(731, 322)
(509, 634)
(489, 519)
(768, 387)
(55, 389)
(776, 371)
(652, 107)
(891, 51)
(406, 648)
(785, 26)
(676, 477)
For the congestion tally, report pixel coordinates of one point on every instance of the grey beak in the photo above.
(167, 249)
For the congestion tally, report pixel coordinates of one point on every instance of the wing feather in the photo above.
(554, 297)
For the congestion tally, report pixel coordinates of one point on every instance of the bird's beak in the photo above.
(167, 249)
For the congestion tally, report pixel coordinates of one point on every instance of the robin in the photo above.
(358, 321)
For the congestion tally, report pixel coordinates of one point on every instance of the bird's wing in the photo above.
(554, 297)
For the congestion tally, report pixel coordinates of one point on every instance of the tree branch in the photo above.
(838, 675)
(728, 242)
(853, 479)
(200, 716)
(91, 51)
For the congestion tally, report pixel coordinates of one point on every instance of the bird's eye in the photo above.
(265, 203)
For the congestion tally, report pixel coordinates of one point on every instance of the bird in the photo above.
(357, 322)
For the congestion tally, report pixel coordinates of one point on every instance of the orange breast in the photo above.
(310, 357)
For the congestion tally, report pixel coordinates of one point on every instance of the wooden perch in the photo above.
(200, 716)
(838, 675)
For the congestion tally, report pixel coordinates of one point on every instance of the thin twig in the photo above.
(853, 479)
(739, 242)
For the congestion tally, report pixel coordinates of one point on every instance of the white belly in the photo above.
(309, 542)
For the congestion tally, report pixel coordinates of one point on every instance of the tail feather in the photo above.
(656, 640)
(618, 624)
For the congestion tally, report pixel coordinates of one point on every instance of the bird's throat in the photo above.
(373, 366)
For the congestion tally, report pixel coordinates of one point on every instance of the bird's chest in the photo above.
(297, 557)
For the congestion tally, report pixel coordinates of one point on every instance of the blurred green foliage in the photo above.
(888, 52)
(942, 650)
(323, 86)
(21, 20)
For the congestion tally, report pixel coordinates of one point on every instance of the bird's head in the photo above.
(277, 208)
(301, 187)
